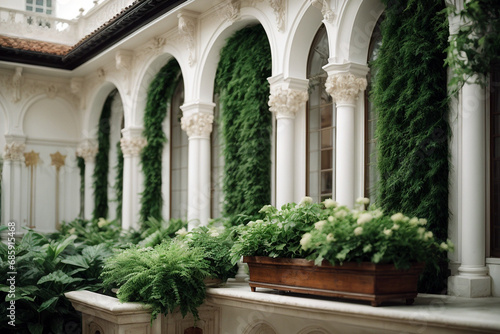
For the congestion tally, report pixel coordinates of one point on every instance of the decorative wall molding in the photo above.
(344, 87)
(87, 151)
(287, 102)
(132, 146)
(123, 62)
(14, 151)
(197, 125)
(278, 7)
(229, 10)
(327, 12)
(187, 30)
(17, 81)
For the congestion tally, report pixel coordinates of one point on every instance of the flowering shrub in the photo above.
(370, 236)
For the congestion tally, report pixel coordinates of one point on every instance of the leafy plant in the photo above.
(45, 271)
(410, 98)
(241, 81)
(160, 93)
(279, 233)
(475, 47)
(166, 277)
(119, 181)
(154, 231)
(370, 236)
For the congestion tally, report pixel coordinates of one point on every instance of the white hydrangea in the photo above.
(330, 203)
(182, 232)
(306, 200)
(398, 217)
(306, 240)
(358, 230)
(364, 218)
(319, 225)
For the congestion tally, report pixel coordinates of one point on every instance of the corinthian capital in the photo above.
(13, 151)
(286, 102)
(197, 125)
(87, 151)
(132, 146)
(344, 87)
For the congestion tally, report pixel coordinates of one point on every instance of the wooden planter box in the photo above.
(362, 281)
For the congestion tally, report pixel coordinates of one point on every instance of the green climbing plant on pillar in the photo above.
(160, 94)
(410, 97)
(241, 82)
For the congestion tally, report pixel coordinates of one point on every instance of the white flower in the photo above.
(377, 213)
(72, 231)
(330, 203)
(250, 224)
(306, 240)
(319, 225)
(182, 232)
(280, 225)
(340, 214)
(331, 219)
(365, 218)
(444, 246)
(397, 217)
(422, 221)
(306, 200)
(367, 248)
(358, 230)
(428, 235)
(330, 237)
(395, 227)
(214, 234)
(259, 221)
(414, 221)
(102, 222)
(421, 231)
(363, 200)
(387, 232)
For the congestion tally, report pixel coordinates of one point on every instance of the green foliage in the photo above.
(370, 236)
(154, 232)
(160, 93)
(279, 233)
(102, 160)
(81, 167)
(241, 81)
(410, 98)
(476, 46)
(119, 181)
(45, 271)
(166, 277)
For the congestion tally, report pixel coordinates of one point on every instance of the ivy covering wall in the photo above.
(81, 167)
(241, 82)
(118, 187)
(160, 93)
(410, 97)
(102, 160)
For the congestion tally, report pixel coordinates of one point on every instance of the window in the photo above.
(495, 161)
(178, 158)
(39, 6)
(371, 172)
(320, 124)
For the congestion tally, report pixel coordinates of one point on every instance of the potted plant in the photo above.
(331, 250)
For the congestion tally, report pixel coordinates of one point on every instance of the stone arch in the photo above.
(91, 121)
(4, 129)
(260, 328)
(204, 82)
(314, 330)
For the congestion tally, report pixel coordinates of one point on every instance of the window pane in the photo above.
(29, 8)
(326, 138)
(49, 3)
(29, 2)
(326, 182)
(326, 117)
(39, 10)
(39, 2)
(49, 11)
(326, 159)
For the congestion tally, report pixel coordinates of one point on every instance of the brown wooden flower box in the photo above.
(362, 281)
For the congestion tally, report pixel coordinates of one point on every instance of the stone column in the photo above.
(132, 144)
(285, 103)
(197, 122)
(88, 151)
(472, 279)
(11, 179)
(344, 87)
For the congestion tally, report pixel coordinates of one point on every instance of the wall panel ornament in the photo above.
(287, 102)
(326, 11)
(13, 151)
(229, 10)
(87, 151)
(187, 30)
(197, 125)
(17, 81)
(344, 88)
(278, 7)
(132, 146)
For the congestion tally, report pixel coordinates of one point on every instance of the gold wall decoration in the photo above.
(31, 160)
(58, 161)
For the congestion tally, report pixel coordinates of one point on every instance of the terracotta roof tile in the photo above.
(33, 45)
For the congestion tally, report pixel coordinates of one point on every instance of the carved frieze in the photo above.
(278, 7)
(327, 12)
(187, 29)
(13, 151)
(286, 102)
(197, 125)
(344, 87)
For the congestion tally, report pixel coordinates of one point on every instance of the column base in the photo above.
(469, 286)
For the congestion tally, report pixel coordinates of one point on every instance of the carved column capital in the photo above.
(87, 151)
(344, 87)
(286, 102)
(132, 146)
(14, 151)
(197, 125)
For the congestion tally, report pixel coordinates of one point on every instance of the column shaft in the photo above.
(344, 166)
(284, 160)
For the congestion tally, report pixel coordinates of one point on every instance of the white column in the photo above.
(11, 179)
(132, 144)
(285, 103)
(197, 122)
(472, 279)
(88, 151)
(344, 89)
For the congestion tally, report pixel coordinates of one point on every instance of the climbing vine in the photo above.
(241, 81)
(119, 181)
(102, 160)
(81, 167)
(160, 93)
(410, 97)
